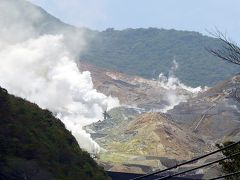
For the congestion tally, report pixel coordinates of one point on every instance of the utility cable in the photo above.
(227, 175)
(199, 167)
(184, 163)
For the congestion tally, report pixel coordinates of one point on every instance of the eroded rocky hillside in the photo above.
(136, 91)
(214, 113)
(141, 138)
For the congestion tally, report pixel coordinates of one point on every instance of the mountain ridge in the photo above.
(142, 52)
(149, 52)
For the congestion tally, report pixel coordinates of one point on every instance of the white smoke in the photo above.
(42, 70)
(176, 91)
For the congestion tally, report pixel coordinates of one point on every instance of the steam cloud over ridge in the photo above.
(42, 70)
(172, 84)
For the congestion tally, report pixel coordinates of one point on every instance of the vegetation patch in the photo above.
(33, 143)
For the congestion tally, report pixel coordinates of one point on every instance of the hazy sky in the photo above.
(196, 15)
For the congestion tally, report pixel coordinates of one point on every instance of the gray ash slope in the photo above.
(214, 113)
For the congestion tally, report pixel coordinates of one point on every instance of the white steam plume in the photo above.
(41, 69)
(174, 88)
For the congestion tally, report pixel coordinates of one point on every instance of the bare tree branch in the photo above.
(230, 50)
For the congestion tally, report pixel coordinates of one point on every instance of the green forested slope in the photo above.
(147, 52)
(35, 145)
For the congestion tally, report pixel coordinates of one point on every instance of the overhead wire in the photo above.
(226, 175)
(187, 162)
(199, 167)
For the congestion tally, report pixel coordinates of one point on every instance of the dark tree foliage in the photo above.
(35, 145)
(232, 164)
